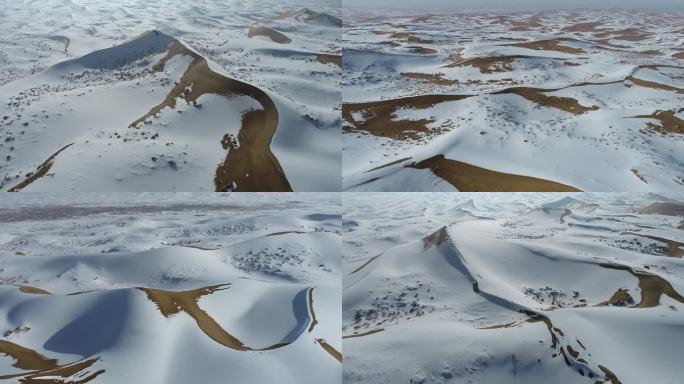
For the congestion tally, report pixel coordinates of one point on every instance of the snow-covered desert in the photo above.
(140, 95)
(494, 100)
(513, 288)
(170, 288)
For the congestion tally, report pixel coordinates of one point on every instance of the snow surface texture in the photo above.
(513, 288)
(601, 111)
(170, 288)
(77, 74)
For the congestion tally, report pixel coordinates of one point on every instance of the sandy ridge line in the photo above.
(353, 335)
(41, 171)
(471, 178)
(330, 349)
(311, 310)
(673, 246)
(251, 166)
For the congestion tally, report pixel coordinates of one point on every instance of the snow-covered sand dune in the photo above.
(170, 289)
(489, 101)
(136, 97)
(519, 288)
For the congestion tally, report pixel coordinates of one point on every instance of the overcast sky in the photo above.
(515, 4)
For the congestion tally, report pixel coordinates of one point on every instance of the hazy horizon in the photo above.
(513, 4)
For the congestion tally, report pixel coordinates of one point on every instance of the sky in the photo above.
(515, 4)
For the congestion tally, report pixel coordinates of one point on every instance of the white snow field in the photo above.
(587, 100)
(513, 288)
(138, 95)
(170, 288)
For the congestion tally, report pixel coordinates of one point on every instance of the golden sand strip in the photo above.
(170, 303)
(33, 290)
(285, 233)
(330, 349)
(41, 171)
(311, 311)
(654, 85)
(26, 359)
(275, 36)
(251, 166)
(470, 178)
(44, 370)
(536, 95)
(500, 326)
(363, 333)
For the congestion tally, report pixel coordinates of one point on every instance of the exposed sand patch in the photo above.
(565, 214)
(470, 178)
(330, 349)
(434, 78)
(388, 164)
(678, 55)
(610, 376)
(567, 104)
(363, 333)
(33, 290)
(41, 171)
(669, 122)
(424, 50)
(673, 247)
(305, 14)
(44, 370)
(549, 45)
(251, 166)
(652, 287)
(525, 25)
(608, 43)
(26, 359)
(436, 238)
(379, 120)
(409, 38)
(628, 34)
(584, 27)
(491, 64)
(654, 85)
(663, 208)
(639, 175)
(275, 36)
(170, 303)
(620, 298)
(325, 58)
